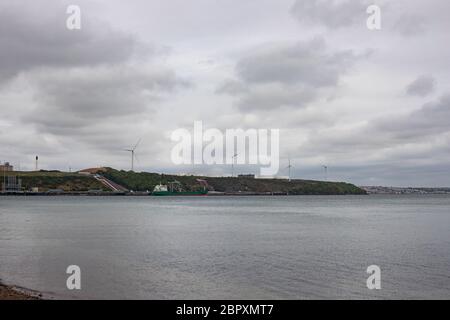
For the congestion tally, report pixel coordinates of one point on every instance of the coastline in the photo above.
(142, 194)
(15, 293)
(112, 182)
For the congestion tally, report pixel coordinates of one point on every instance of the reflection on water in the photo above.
(228, 247)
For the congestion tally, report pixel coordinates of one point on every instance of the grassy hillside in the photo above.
(295, 187)
(46, 180)
(147, 181)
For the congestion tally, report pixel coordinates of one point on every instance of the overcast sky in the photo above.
(372, 105)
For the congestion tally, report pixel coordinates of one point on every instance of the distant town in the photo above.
(404, 190)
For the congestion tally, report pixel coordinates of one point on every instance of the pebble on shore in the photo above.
(9, 293)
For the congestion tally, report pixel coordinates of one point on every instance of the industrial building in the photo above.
(6, 167)
(11, 184)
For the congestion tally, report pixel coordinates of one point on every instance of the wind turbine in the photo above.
(232, 164)
(326, 172)
(132, 151)
(289, 168)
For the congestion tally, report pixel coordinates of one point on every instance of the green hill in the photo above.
(144, 181)
(46, 180)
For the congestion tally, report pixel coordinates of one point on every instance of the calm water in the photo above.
(228, 248)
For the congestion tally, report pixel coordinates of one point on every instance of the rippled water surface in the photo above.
(306, 247)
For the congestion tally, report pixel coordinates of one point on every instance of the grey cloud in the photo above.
(267, 97)
(40, 38)
(232, 87)
(306, 63)
(330, 13)
(410, 25)
(80, 97)
(287, 75)
(431, 119)
(404, 17)
(71, 99)
(422, 86)
(91, 86)
(389, 133)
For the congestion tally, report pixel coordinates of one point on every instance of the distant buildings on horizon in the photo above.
(6, 167)
(404, 190)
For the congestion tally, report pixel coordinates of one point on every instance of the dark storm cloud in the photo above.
(421, 86)
(287, 75)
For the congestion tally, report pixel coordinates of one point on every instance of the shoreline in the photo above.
(145, 194)
(16, 293)
(216, 194)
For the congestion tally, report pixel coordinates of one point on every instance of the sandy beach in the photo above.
(12, 293)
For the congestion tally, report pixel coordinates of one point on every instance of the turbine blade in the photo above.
(137, 143)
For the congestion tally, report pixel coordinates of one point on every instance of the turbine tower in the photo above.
(289, 168)
(232, 164)
(132, 151)
(326, 172)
